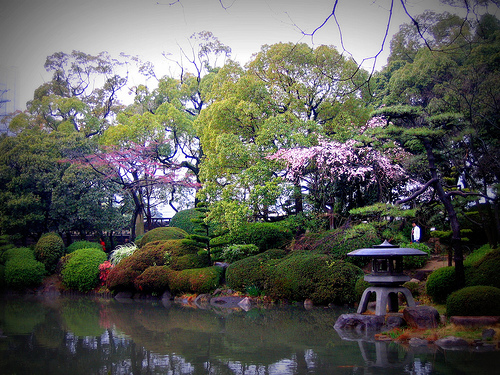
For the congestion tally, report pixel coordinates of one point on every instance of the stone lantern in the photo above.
(387, 277)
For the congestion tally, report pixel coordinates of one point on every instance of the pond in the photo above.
(82, 335)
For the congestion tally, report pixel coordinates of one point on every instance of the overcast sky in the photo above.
(31, 30)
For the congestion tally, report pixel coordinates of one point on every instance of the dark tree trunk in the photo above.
(456, 241)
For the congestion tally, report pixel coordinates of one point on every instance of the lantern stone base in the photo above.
(386, 299)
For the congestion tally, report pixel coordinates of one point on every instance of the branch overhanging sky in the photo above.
(31, 30)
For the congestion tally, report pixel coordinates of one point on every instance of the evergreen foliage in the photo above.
(162, 234)
(252, 271)
(199, 280)
(474, 301)
(154, 280)
(49, 249)
(81, 270)
(23, 272)
(184, 220)
(319, 277)
(82, 245)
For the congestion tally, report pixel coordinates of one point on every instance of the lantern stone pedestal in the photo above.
(386, 278)
(386, 299)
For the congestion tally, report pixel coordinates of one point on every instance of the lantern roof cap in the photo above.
(386, 249)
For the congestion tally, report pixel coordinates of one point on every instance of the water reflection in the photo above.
(85, 336)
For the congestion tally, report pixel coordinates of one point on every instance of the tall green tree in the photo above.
(288, 96)
(449, 118)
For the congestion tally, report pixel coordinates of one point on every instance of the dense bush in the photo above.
(24, 272)
(154, 280)
(252, 271)
(199, 280)
(182, 220)
(49, 249)
(162, 234)
(18, 252)
(441, 283)
(319, 277)
(477, 254)
(264, 235)
(486, 271)
(413, 262)
(233, 253)
(338, 242)
(81, 271)
(184, 262)
(82, 245)
(474, 301)
(122, 276)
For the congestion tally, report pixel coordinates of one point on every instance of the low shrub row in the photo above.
(296, 276)
(481, 296)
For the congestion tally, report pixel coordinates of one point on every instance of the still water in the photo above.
(79, 335)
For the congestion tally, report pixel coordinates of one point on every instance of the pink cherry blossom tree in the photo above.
(332, 168)
(142, 176)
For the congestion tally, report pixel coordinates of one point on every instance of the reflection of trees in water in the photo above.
(147, 338)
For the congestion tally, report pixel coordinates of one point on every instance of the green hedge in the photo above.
(474, 301)
(162, 234)
(81, 270)
(338, 242)
(21, 272)
(82, 245)
(179, 254)
(486, 271)
(18, 252)
(252, 271)
(49, 249)
(154, 280)
(441, 283)
(182, 220)
(319, 277)
(198, 281)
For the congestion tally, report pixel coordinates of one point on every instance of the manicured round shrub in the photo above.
(81, 271)
(18, 252)
(154, 280)
(49, 249)
(318, 277)
(182, 219)
(21, 272)
(83, 245)
(198, 280)
(441, 283)
(162, 234)
(486, 271)
(252, 271)
(264, 235)
(474, 301)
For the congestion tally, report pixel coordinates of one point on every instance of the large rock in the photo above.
(361, 323)
(421, 317)
(452, 343)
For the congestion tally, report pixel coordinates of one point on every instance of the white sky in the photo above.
(31, 30)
